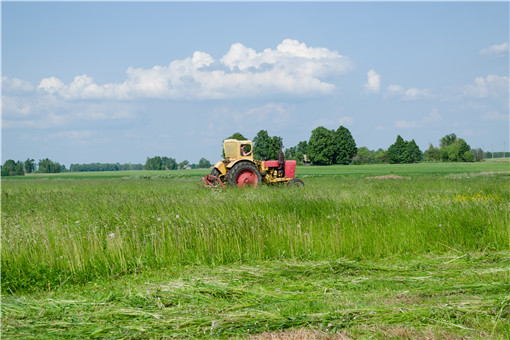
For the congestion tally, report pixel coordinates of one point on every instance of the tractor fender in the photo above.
(232, 163)
(221, 167)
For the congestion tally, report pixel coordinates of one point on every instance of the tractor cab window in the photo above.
(246, 149)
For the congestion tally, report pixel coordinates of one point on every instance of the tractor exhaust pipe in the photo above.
(281, 162)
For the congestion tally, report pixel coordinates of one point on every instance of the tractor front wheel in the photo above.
(244, 174)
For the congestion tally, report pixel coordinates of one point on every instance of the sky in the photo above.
(109, 82)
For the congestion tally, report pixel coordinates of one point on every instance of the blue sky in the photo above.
(120, 82)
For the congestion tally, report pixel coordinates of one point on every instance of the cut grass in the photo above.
(448, 296)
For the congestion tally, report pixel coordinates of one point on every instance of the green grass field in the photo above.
(421, 252)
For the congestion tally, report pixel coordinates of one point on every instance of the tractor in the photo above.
(240, 169)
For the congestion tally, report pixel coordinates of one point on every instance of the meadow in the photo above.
(403, 251)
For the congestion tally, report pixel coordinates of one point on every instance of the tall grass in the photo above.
(57, 232)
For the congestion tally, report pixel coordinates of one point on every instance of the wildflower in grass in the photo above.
(111, 235)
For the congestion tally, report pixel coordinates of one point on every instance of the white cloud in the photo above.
(292, 68)
(10, 85)
(495, 49)
(411, 93)
(46, 112)
(373, 84)
(51, 85)
(490, 86)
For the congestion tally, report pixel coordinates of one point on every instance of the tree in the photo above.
(363, 156)
(29, 166)
(404, 152)
(396, 151)
(479, 154)
(183, 164)
(345, 146)
(456, 151)
(168, 163)
(48, 166)
(321, 146)
(447, 140)
(412, 153)
(154, 163)
(432, 154)
(265, 146)
(12, 168)
(203, 163)
(381, 156)
(297, 152)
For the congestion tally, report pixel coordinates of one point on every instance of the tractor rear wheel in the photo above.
(244, 174)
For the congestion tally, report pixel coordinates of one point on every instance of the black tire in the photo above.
(296, 183)
(215, 172)
(244, 174)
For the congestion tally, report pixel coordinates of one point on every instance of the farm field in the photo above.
(388, 251)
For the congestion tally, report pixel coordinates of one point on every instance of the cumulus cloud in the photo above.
(15, 85)
(490, 86)
(373, 84)
(495, 49)
(292, 68)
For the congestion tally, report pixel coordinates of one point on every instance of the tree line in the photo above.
(324, 147)
(327, 147)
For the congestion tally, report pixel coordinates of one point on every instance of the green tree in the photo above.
(168, 163)
(321, 147)
(345, 146)
(412, 153)
(203, 164)
(363, 156)
(29, 166)
(456, 151)
(381, 156)
(297, 152)
(432, 154)
(265, 146)
(48, 166)
(154, 163)
(183, 164)
(404, 152)
(447, 140)
(12, 168)
(396, 151)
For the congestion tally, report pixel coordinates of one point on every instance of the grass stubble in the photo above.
(348, 257)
